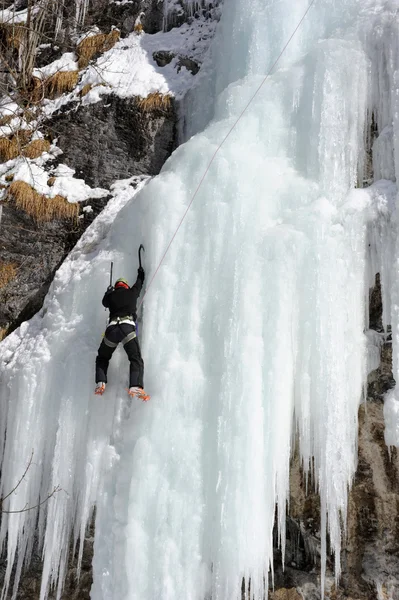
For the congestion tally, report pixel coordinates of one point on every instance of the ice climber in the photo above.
(121, 301)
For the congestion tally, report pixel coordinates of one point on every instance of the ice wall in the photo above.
(253, 329)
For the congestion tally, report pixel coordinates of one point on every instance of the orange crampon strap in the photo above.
(140, 395)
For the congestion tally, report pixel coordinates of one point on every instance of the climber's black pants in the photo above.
(115, 334)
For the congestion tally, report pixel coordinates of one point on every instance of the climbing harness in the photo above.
(120, 320)
(128, 338)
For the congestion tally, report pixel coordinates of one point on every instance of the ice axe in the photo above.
(110, 274)
(141, 247)
(110, 285)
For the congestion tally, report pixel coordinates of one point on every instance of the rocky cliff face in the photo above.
(105, 141)
(115, 139)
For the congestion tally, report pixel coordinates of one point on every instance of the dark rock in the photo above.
(153, 19)
(37, 250)
(375, 306)
(177, 15)
(163, 57)
(190, 64)
(381, 380)
(124, 16)
(74, 588)
(114, 139)
(47, 54)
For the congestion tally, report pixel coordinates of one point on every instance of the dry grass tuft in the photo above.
(85, 89)
(6, 120)
(155, 101)
(95, 44)
(40, 207)
(12, 147)
(88, 87)
(8, 272)
(3, 333)
(51, 181)
(36, 148)
(138, 28)
(60, 83)
(9, 149)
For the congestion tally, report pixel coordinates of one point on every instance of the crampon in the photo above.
(100, 388)
(137, 392)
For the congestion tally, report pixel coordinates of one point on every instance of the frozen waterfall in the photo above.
(253, 330)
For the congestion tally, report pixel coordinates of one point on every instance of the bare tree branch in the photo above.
(26, 507)
(20, 481)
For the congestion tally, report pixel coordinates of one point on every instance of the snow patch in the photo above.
(35, 174)
(67, 62)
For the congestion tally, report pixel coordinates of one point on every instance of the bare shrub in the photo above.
(12, 35)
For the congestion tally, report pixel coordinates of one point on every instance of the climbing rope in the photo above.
(222, 143)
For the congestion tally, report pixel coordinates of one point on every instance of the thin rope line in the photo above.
(221, 144)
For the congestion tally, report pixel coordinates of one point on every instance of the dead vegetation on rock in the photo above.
(86, 89)
(52, 87)
(6, 120)
(39, 206)
(8, 149)
(36, 148)
(95, 44)
(60, 83)
(155, 102)
(8, 272)
(11, 147)
(20, 145)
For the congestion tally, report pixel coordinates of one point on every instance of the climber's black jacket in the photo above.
(122, 302)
